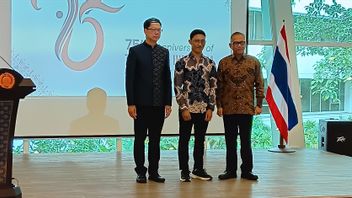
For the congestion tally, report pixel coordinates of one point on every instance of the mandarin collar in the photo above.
(147, 45)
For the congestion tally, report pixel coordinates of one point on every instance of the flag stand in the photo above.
(281, 148)
(281, 102)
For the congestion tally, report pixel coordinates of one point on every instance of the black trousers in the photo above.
(149, 121)
(238, 124)
(200, 128)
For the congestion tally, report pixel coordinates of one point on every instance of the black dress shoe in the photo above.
(141, 178)
(249, 176)
(156, 178)
(227, 175)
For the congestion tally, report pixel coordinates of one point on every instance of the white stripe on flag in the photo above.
(279, 93)
(278, 98)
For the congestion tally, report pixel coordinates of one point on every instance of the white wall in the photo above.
(5, 32)
(239, 9)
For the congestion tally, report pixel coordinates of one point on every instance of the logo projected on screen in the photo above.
(62, 42)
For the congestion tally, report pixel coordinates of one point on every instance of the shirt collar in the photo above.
(190, 55)
(238, 60)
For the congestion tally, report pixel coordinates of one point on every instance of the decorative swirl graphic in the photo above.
(89, 4)
(63, 40)
(35, 4)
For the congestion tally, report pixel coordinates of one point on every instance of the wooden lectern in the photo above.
(12, 88)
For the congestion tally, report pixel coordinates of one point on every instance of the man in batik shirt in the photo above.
(195, 87)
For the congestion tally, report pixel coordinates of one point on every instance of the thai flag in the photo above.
(279, 92)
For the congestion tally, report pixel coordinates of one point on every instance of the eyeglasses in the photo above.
(237, 43)
(154, 30)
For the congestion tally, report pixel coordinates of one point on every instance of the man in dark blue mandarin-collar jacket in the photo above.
(148, 91)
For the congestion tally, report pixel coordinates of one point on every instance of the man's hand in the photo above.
(167, 111)
(208, 115)
(257, 110)
(219, 112)
(132, 111)
(186, 115)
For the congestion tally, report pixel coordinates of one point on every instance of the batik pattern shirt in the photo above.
(195, 84)
(238, 81)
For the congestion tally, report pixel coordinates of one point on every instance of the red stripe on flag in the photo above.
(283, 34)
(279, 120)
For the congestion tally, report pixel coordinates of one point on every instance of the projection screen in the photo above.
(75, 52)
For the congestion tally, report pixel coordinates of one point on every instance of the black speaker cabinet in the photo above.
(336, 136)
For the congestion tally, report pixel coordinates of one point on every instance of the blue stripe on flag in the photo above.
(279, 70)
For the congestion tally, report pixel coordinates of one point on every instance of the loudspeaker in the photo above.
(336, 136)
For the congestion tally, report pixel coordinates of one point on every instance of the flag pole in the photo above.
(277, 92)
